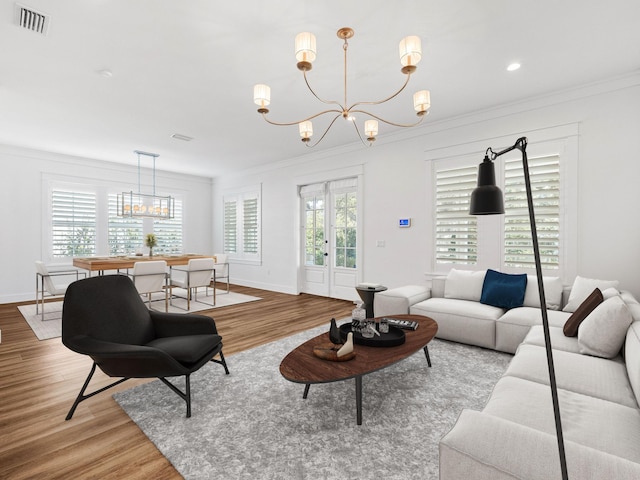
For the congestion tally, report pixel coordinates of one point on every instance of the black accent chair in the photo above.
(105, 318)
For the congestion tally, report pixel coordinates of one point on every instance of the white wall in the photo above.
(23, 177)
(395, 180)
(395, 184)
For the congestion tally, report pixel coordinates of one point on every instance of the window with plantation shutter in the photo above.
(250, 226)
(456, 239)
(73, 223)
(169, 231)
(544, 173)
(242, 219)
(230, 226)
(125, 234)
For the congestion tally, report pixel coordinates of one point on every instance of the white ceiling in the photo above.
(189, 67)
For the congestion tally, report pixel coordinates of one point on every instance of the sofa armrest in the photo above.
(399, 300)
(481, 446)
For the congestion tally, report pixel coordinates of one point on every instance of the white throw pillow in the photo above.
(464, 285)
(582, 288)
(603, 332)
(552, 292)
(609, 292)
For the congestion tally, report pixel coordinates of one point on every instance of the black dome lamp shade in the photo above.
(486, 198)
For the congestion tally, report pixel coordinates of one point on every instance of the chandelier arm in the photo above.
(264, 115)
(386, 99)
(326, 131)
(328, 102)
(403, 125)
(355, 125)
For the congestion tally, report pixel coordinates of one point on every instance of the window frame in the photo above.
(560, 141)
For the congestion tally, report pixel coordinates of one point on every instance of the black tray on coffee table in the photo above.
(394, 338)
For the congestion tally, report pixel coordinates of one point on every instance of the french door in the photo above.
(329, 239)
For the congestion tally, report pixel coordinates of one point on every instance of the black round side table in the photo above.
(366, 294)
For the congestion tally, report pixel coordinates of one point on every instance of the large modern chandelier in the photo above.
(305, 44)
(145, 205)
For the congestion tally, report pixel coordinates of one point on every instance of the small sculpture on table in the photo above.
(337, 350)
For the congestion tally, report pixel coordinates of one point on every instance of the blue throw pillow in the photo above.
(503, 290)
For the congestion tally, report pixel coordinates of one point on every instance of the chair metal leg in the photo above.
(82, 397)
(222, 362)
(186, 395)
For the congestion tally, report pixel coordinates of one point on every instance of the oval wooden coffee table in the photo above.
(302, 366)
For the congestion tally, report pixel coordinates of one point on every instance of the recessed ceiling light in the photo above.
(105, 73)
(513, 67)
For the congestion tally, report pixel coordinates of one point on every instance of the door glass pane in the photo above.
(345, 223)
(314, 231)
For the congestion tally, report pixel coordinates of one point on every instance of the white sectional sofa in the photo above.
(454, 302)
(597, 375)
(514, 435)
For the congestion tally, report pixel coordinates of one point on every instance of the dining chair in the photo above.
(196, 275)
(47, 282)
(105, 318)
(221, 269)
(151, 277)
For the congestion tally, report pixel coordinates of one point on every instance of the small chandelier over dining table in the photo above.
(305, 50)
(138, 204)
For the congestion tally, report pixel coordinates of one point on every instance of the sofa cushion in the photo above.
(582, 288)
(590, 421)
(461, 320)
(597, 377)
(464, 285)
(559, 341)
(514, 325)
(485, 447)
(187, 349)
(552, 292)
(602, 333)
(503, 289)
(585, 308)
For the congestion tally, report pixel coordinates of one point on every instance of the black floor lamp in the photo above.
(487, 199)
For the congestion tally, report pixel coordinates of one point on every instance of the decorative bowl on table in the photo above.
(394, 338)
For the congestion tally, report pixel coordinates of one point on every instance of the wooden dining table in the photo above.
(100, 264)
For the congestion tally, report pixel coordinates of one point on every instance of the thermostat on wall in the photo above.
(404, 222)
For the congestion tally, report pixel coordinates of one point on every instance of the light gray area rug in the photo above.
(254, 424)
(51, 326)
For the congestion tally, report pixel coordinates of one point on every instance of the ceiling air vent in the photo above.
(30, 19)
(179, 136)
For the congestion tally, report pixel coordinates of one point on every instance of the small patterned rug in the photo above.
(51, 325)
(254, 424)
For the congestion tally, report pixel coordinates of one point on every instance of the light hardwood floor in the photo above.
(40, 379)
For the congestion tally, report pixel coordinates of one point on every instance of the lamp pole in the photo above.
(521, 144)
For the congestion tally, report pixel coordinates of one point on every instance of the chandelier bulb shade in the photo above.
(410, 50)
(422, 102)
(487, 198)
(410, 53)
(305, 50)
(306, 130)
(262, 97)
(371, 128)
